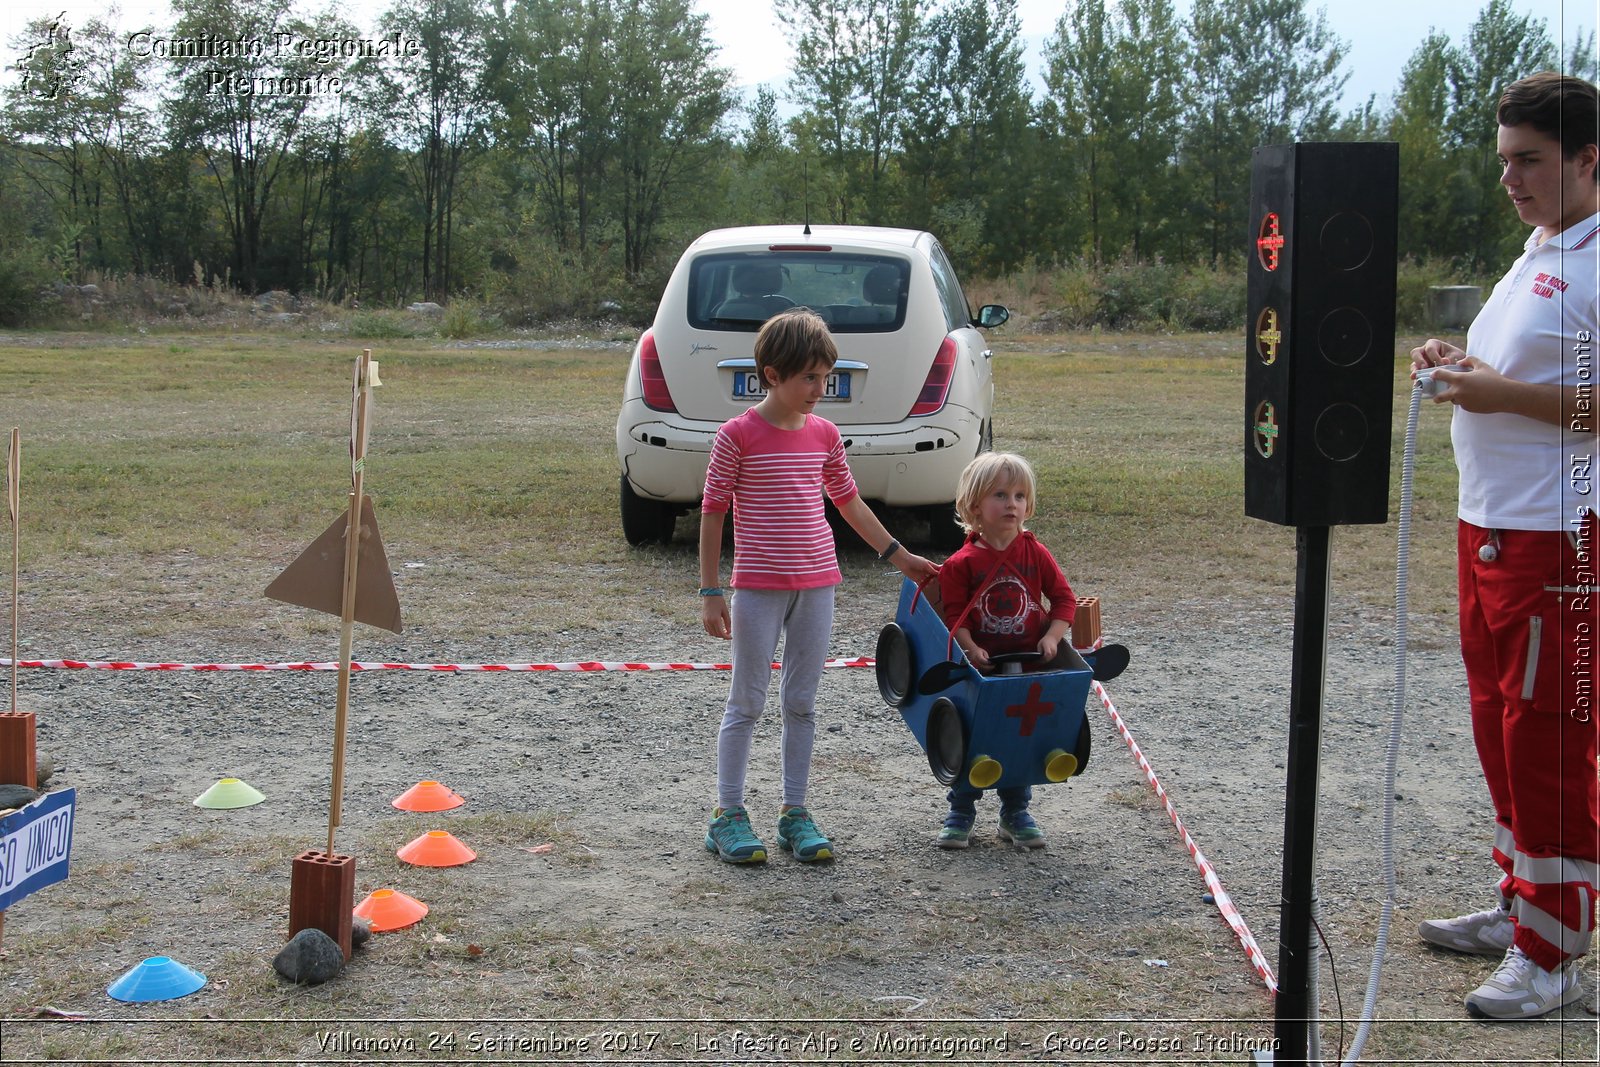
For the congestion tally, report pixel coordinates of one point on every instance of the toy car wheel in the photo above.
(1082, 750)
(896, 671)
(947, 742)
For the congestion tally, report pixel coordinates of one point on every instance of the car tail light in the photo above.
(937, 385)
(656, 394)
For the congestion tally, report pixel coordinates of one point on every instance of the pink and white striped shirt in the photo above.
(774, 480)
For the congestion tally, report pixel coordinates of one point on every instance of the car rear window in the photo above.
(853, 292)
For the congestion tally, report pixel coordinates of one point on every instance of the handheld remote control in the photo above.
(1428, 386)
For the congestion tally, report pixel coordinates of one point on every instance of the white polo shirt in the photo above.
(1539, 326)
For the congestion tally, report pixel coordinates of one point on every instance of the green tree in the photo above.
(557, 90)
(1294, 66)
(1112, 99)
(766, 180)
(440, 105)
(824, 83)
(127, 142)
(1430, 170)
(854, 62)
(887, 60)
(670, 101)
(371, 225)
(1079, 109)
(95, 150)
(1582, 61)
(928, 150)
(1265, 73)
(1501, 47)
(313, 207)
(52, 114)
(964, 131)
(764, 137)
(1152, 58)
(243, 115)
(1213, 138)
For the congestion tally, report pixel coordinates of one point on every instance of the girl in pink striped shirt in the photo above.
(771, 465)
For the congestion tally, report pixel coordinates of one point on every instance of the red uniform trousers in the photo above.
(1529, 627)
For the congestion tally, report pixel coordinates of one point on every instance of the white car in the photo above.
(912, 393)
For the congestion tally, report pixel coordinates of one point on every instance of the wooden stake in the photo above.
(13, 504)
(352, 546)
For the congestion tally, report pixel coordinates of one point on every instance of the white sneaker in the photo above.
(1483, 933)
(1521, 989)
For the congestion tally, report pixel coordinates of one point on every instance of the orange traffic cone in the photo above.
(389, 909)
(428, 796)
(437, 848)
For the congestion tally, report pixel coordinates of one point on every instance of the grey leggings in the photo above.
(805, 619)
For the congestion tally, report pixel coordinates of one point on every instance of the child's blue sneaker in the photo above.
(1019, 829)
(798, 834)
(729, 835)
(956, 831)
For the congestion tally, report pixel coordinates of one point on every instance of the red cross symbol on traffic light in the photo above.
(1270, 242)
(1030, 710)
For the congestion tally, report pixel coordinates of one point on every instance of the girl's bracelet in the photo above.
(888, 552)
(711, 590)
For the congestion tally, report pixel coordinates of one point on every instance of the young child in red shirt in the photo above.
(1002, 592)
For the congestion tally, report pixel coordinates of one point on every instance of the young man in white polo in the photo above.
(1524, 439)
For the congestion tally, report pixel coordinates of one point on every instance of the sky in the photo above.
(1380, 34)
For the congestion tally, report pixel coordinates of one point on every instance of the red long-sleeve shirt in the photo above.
(1010, 615)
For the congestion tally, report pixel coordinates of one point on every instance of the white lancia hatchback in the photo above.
(912, 393)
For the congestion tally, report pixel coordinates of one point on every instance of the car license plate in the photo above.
(747, 386)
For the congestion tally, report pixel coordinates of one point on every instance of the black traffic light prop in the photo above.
(1319, 377)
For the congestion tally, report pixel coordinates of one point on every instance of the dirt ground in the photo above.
(626, 941)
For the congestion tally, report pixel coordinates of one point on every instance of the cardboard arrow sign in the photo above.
(316, 579)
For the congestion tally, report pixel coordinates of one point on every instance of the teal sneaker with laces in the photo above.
(799, 835)
(1019, 829)
(956, 831)
(730, 836)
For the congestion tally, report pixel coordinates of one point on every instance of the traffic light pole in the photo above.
(1313, 550)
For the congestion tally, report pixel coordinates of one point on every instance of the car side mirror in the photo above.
(991, 315)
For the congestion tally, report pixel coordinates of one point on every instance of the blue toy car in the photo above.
(998, 730)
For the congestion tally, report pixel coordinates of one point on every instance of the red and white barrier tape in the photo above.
(585, 666)
(1225, 904)
(581, 666)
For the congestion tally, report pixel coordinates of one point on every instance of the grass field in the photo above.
(220, 458)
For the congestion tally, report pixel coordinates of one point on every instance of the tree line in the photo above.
(536, 153)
